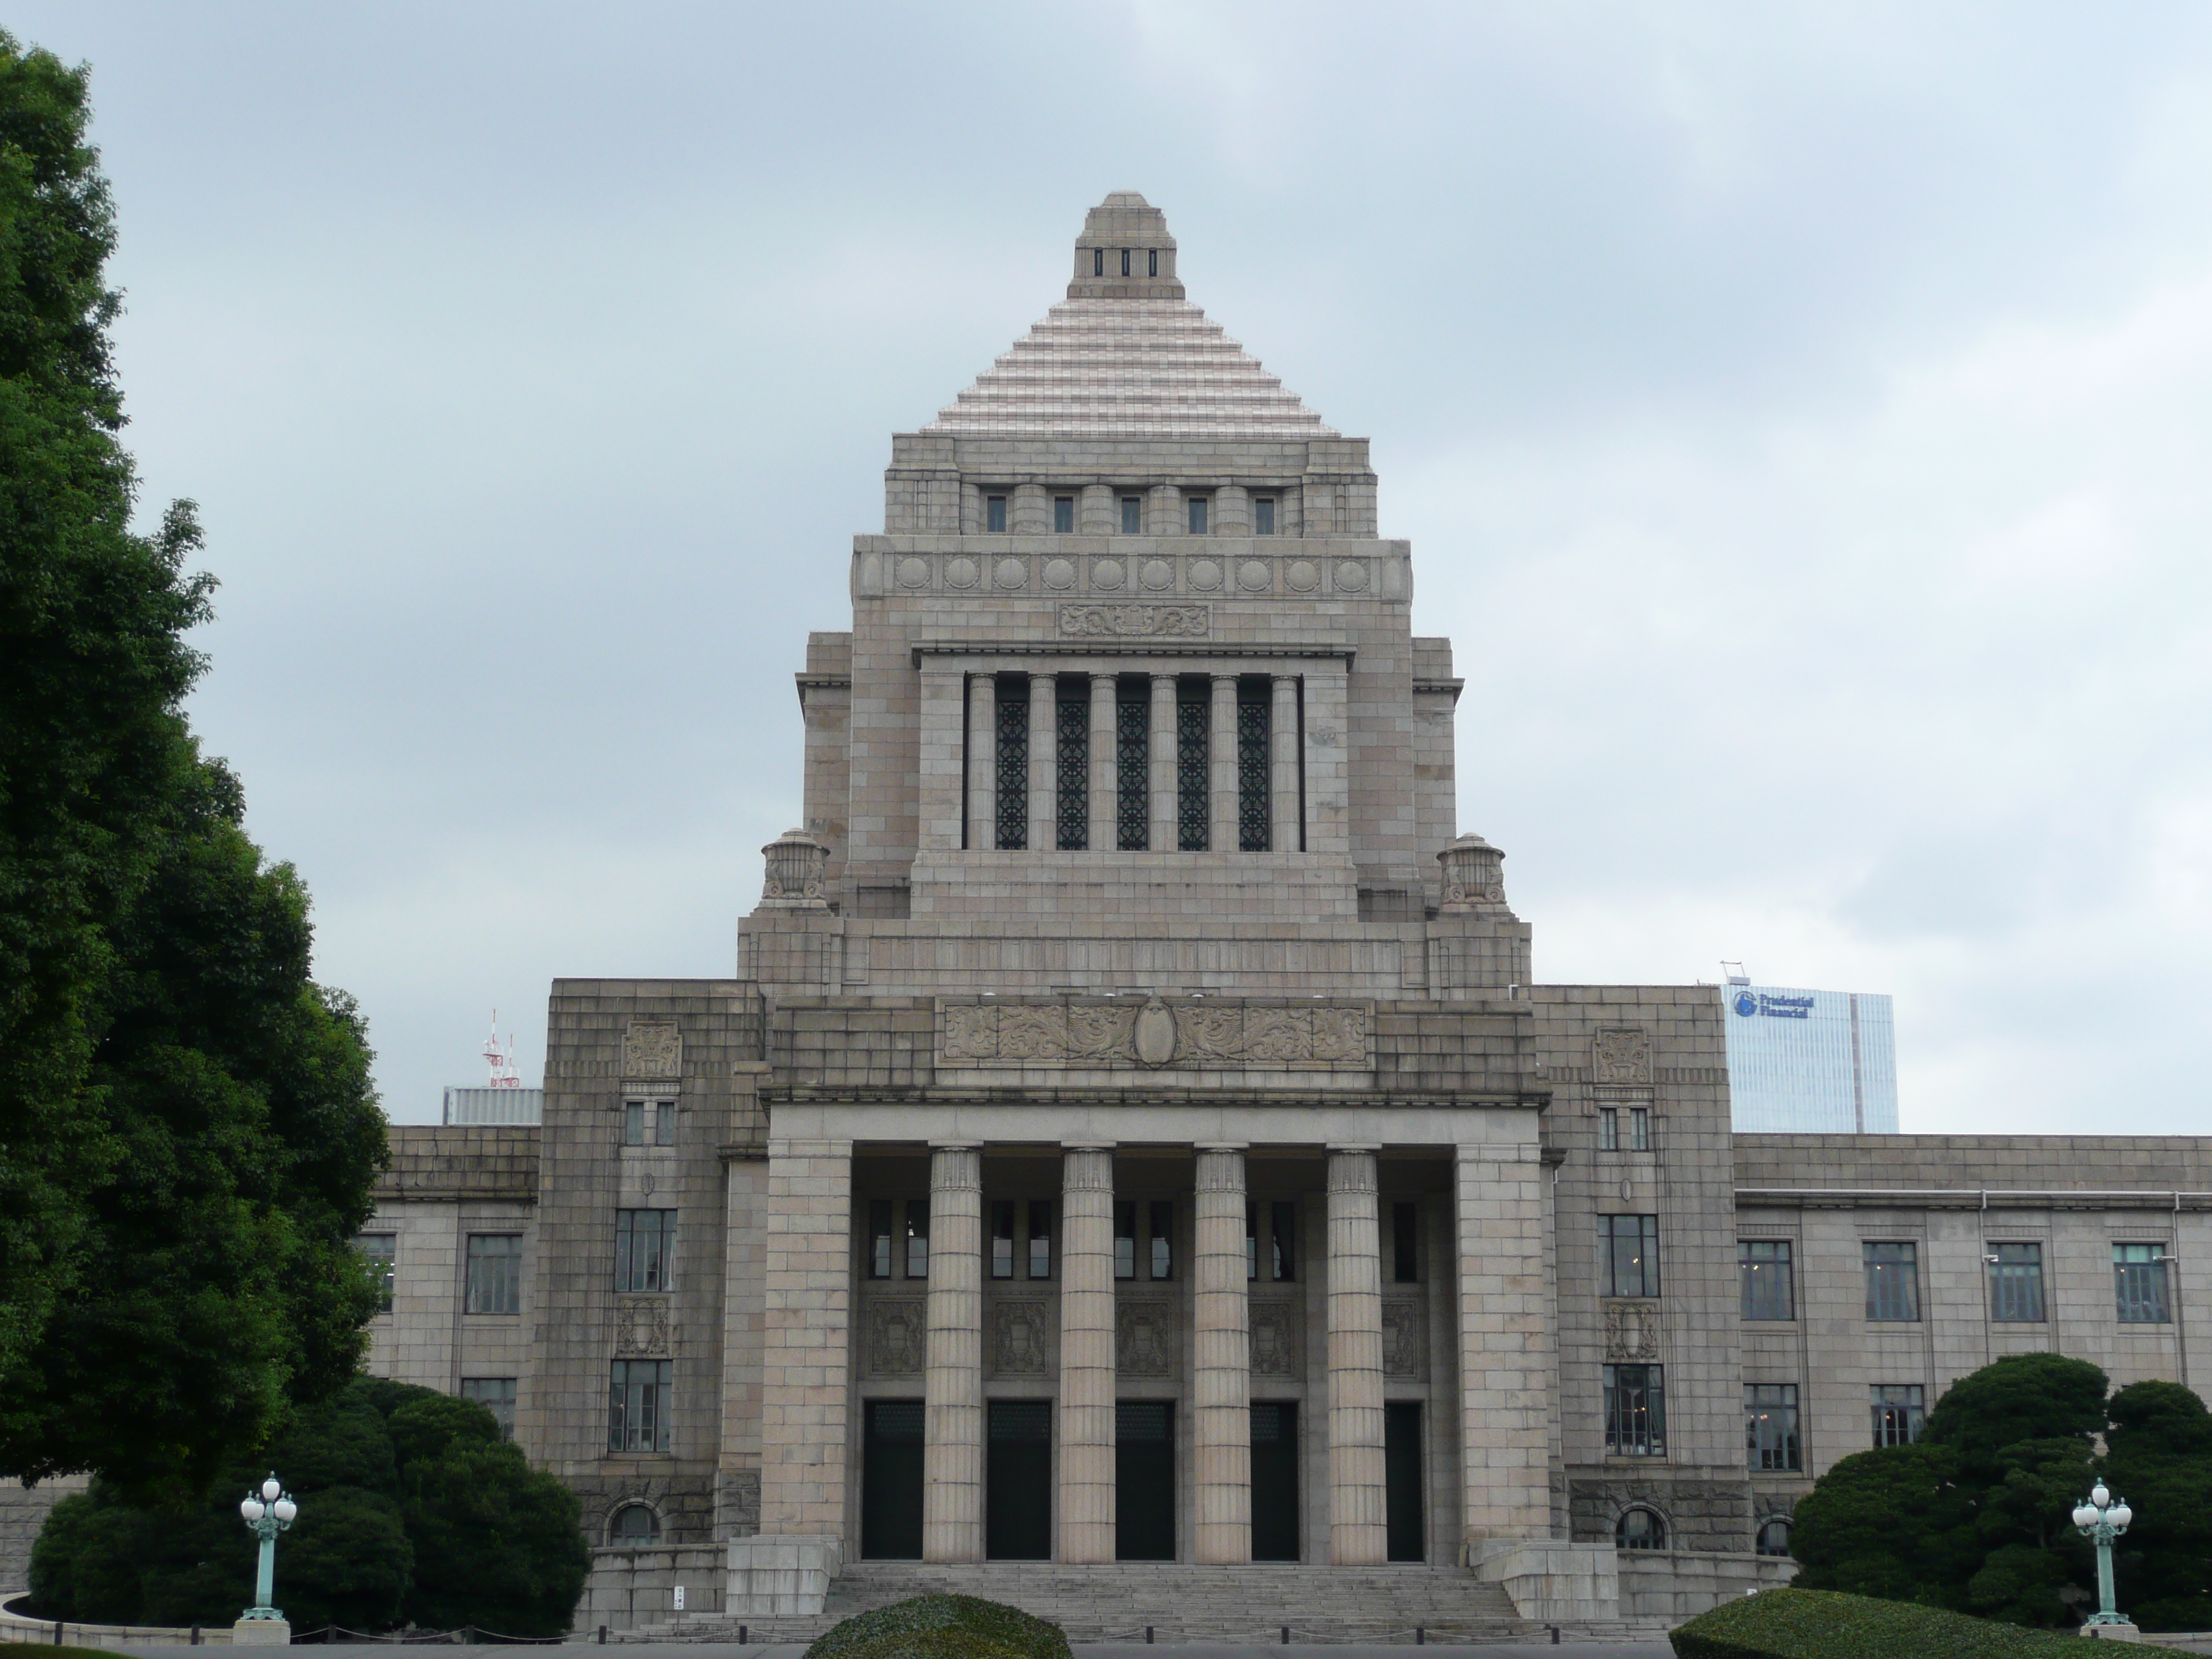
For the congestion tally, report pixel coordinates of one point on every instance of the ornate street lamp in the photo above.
(268, 1512)
(2099, 1518)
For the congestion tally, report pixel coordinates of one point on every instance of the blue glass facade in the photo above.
(1810, 1062)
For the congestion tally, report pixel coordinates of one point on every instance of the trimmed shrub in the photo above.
(1795, 1624)
(943, 1627)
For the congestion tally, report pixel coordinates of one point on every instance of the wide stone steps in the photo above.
(1177, 1602)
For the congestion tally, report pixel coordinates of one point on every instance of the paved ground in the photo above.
(1084, 1650)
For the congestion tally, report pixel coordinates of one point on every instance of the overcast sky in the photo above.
(1801, 414)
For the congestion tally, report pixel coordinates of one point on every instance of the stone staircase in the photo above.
(1179, 1603)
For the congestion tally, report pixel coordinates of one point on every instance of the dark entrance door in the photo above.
(1402, 1481)
(890, 1480)
(1275, 1480)
(1144, 1479)
(1018, 1481)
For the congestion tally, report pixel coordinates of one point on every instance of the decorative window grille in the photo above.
(1893, 1282)
(1252, 712)
(1899, 1413)
(2139, 1279)
(1193, 720)
(1132, 754)
(1762, 1267)
(1072, 759)
(1635, 1411)
(1013, 762)
(2016, 1283)
(1770, 1425)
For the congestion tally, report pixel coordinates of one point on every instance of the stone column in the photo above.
(1221, 1362)
(1086, 1354)
(1221, 755)
(1506, 1345)
(1232, 511)
(953, 1379)
(1044, 762)
(1105, 772)
(1163, 767)
(1283, 753)
(1164, 512)
(1030, 511)
(982, 763)
(1358, 1531)
(1094, 514)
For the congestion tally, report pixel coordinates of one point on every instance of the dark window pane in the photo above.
(1002, 1238)
(1063, 514)
(1193, 721)
(1893, 1282)
(1635, 1411)
(917, 1238)
(1072, 760)
(1124, 1239)
(1770, 1413)
(1161, 1232)
(1405, 1243)
(1608, 1128)
(633, 1123)
(1774, 1538)
(1630, 1244)
(994, 513)
(1639, 1529)
(880, 1238)
(2139, 1281)
(1133, 514)
(664, 1123)
(1263, 515)
(1763, 1272)
(1041, 1238)
(1283, 1239)
(1898, 1411)
(1132, 754)
(381, 1252)
(497, 1394)
(2016, 1283)
(495, 1274)
(1013, 712)
(1253, 712)
(1198, 506)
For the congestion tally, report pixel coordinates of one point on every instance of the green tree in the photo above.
(1893, 1523)
(188, 1133)
(2159, 1457)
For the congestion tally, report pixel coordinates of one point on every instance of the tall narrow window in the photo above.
(1893, 1282)
(1133, 755)
(1635, 1411)
(380, 1251)
(1160, 1235)
(994, 513)
(1193, 722)
(1002, 1238)
(1899, 1412)
(664, 1123)
(1251, 1240)
(1639, 1129)
(1197, 508)
(1097, 262)
(1013, 710)
(1405, 1245)
(1133, 515)
(1040, 1238)
(633, 1123)
(645, 1249)
(1263, 515)
(1769, 1426)
(496, 1396)
(1254, 704)
(1072, 759)
(637, 1416)
(1124, 1239)
(917, 1238)
(2138, 1275)
(1608, 1128)
(1152, 259)
(880, 1238)
(1063, 514)
(2016, 1283)
(1283, 1239)
(495, 1274)
(1762, 1271)
(1630, 1245)
(1125, 262)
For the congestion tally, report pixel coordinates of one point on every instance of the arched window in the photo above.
(1774, 1537)
(1639, 1529)
(635, 1524)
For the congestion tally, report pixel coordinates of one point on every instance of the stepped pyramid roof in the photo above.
(1125, 355)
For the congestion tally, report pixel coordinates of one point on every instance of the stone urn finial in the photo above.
(1475, 875)
(796, 864)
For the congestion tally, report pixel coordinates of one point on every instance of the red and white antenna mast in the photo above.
(502, 1060)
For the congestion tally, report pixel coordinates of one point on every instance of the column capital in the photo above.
(1221, 1146)
(1088, 1145)
(956, 1146)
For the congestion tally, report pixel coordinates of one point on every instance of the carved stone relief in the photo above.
(1200, 1034)
(1632, 1330)
(1144, 1338)
(652, 1047)
(641, 1328)
(894, 1342)
(1116, 622)
(1020, 1337)
(1621, 1054)
(1277, 1321)
(1406, 1339)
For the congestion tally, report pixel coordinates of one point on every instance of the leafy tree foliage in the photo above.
(2159, 1457)
(188, 1133)
(412, 1511)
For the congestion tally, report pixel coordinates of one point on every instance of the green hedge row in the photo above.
(943, 1627)
(1795, 1624)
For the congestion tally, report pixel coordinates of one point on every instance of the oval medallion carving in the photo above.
(1155, 1033)
(1351, 575)
(962, 573)
(1158, 574)
(1060, 573)
(1107, 574)
(1205, 575)
(1251, 575)
(1302, 576)
(914, 572)
(1011, 573)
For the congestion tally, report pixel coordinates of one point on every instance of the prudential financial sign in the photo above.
(1750, 1005)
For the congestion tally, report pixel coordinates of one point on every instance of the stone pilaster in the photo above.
(1162, 763)
(1357, 1534)
(953, 1380)
(1221, 1369)
(1044, 762)
(806, 1329)
(1283, 756)
(1086, 1355)
(1505, 1344)
(982, 763)
(1221, 794)
(1105, 776)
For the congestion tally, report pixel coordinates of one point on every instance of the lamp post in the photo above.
(267, 1512)
(2100, 1517)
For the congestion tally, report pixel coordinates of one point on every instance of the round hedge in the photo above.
(943, 1626)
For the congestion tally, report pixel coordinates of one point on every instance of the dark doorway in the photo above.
(890, 1480)
(1144, 1480)
(1275, 1480)
(1402, 1481)
(1018, 1481)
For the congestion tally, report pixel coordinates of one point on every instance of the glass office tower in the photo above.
(1810, 1062)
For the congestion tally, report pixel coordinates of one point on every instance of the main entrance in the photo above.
(890, 1480)
(1275, 1480)
(1018, 1481)
(1144, 1480)
(1401, 1482)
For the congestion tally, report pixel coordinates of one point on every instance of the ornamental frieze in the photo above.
(1125, 622)
(1192, 1035)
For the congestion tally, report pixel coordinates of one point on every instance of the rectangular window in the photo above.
(1283, 1240)
(638, 1411)
(1405, 1245)
(1251, 1240)
(1013, 762)
(1193, 727)
(880, 1238)
(1124, 1239)
(381, 1252)
(1196, 506)
(917, 1238)
(1896, 1413)
(1072, 760)
(2016, 1283)
(1002, 1238)
(495, 1274)
(1097, 262)
(1893, 1282)
(1263, 515)
(633, 1123)
(1125, 262)
(664, 1123)
(1635, 1411)
(1254, 711)
(1152, 261)
(1133, 756)
(994, 513)
(1040, 1238)
(1608, 1128)
(1133, 515)
(1762, 1271)
(1629, 1245)
(1063, 514)
(645, 1249)
(1639, 1129)
(1161, 1233)
(1770, 1425)
(2139, 1280)
(497, 1394)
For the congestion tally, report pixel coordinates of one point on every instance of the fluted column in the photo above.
(1357, 1517)
(982, 763)
(1105, 778)
(1163, 767)
(1283, 756)
(1221, 1367)
(952, 1383)
(1086, 1354)
(1221, 755)
(1044, 762)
